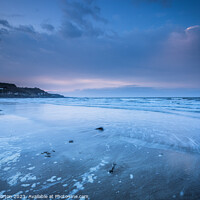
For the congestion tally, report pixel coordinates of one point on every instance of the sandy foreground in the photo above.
(54, 151)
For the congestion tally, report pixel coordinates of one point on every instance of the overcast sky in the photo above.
(102, 47)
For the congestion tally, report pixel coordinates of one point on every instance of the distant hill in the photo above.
(8, 90)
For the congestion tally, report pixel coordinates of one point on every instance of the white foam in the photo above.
(6, 168)
(52, 179)
(31, 168)
(79, 186)
(87, 177)
(13, 179)
(2, 192)
(59, 178)
(181, 193)
(8, 157)
(18, 193)
(90, 178)
(28, 177)
(25, 185)
(131, 176)
(34, 185)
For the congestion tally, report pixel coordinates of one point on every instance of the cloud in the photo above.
(70, 30)
(81, 18)
(22, 28)
(164, 57)
(72, 84)
(3, 31)
(4, 23)
(178, 59)
(5, 26)
(26, 29)
(196, 27)
(48, 27)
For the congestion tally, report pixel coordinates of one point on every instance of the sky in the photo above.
(102, 47)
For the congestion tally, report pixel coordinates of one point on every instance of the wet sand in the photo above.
(151, 161)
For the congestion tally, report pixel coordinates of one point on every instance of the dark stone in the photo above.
(53, 151)
(100, 129)
(113, 167)
(71, 141)
(111, 171)
(47, 154)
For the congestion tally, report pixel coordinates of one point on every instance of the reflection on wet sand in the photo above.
(54, 149)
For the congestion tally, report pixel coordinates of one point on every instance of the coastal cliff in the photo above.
(8, 90)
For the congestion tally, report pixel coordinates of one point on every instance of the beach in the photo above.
(53, 147)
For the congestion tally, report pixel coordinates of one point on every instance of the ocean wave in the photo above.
(186, 106)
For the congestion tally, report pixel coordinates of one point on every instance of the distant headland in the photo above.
(8, 90)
